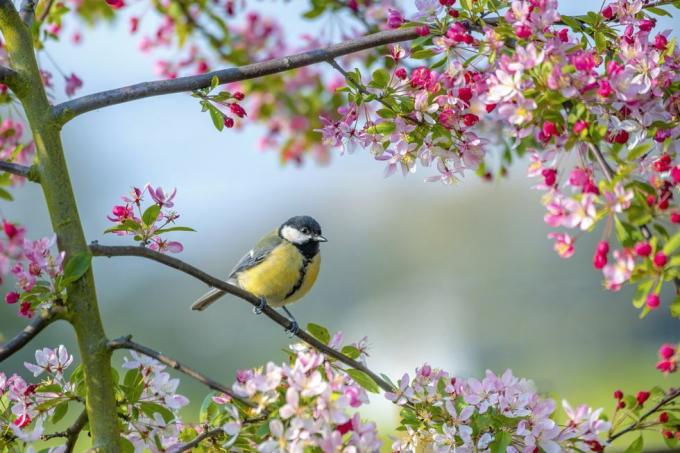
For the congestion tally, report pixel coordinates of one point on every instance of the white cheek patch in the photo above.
(295, 236)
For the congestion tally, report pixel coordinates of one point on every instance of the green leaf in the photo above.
(658, 11)
(132, 377)
(351, 352)
(501, 442)
(59, 412)
(319, 332)
(151, 214)
(151, 408)
(600, 41)
(175, 228)
(640, 298)
(6, 195)
(639, 151)
(423, 54)
(675, 308)
(672, 244)
(380, 78)
(76, 266)
(636, 446)
(126, 446)
(363, 380)
(208, 409)
(216, 116)
(572, 23)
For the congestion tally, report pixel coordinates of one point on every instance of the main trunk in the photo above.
(83, 312)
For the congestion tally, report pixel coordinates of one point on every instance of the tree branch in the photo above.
(42, 320)
(127, 343)
(46, 11)
(9, 77)
(71, 433)
(27, 12)
(198, 439)
(672, 394)
(70, 109)
(104, 250)
(29, 173)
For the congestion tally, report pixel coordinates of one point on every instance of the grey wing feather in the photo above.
(250, 259)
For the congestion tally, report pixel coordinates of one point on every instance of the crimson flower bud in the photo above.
(618, 394)
(599, 260)
(9, 228)
(228, 122)
(580, 126)
(603, 247)
(660, 259)
(643, 249)
(667, 351)
(239, 96)
(237, 110)
(12, 297)
(401, 73)
(608, 12)
(663, 417)
(653, 301)
(675, 217)
(642, 396)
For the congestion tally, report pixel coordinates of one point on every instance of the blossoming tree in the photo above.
(458, 87)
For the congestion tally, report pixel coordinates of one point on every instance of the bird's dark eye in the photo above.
(304, 230)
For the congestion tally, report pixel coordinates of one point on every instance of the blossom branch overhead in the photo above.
(37, 325)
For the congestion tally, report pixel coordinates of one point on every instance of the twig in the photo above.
(71, 433)
(104, 250)
(70, 109)
(46, 11)
(42, 320)
(27, 12)
(127, 343)
(672, 394)
(9, 77)
(197, 440)
(29, 173)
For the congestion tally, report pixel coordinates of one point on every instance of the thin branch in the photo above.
(42, 320)
(46, 11)
(70, 109)
(104, 250)
(672, 394)
(9, 77)
(198, 439)
(27, 12)
(71, 433)
(127, 343)
(29, 173)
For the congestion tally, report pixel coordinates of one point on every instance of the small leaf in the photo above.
(76, 266)
(501, 442)
(6, 195)
(59, 412)
(214, 82)
(152, 408)
(380, 78)
(319, 332)
(175, 228)
(636, 446)
(351, 352)
(672, 244)
(151, 214)
(126, 446)
(639, 151)
(363, 380)
(216, 116)
(641, 292)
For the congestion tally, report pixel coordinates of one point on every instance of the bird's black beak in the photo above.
(320, 238)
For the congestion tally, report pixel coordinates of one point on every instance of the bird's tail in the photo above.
(207, 299)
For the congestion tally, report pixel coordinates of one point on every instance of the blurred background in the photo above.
(459, 277)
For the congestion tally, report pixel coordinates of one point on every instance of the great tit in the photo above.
(280, 269)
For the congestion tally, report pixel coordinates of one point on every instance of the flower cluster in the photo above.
(14, 148)
(669, 355)
(497, 413)
(27, 407)
(149, 225)
(152, 403)
(39, 274)
(315, 402)
(221, 106)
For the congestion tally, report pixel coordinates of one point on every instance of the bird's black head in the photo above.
(301, 230)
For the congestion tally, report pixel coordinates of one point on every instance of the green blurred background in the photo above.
(460, 277)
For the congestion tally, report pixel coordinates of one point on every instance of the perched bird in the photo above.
(280, 269)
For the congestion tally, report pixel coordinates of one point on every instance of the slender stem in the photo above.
(37, 325)
(46, 11)
(127, 343)
(29, 173)
(198, 439)
(672, 395)
(70, 109)
(106, 250)
(83, 312)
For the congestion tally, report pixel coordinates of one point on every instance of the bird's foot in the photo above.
(259, 307)
(293, 329)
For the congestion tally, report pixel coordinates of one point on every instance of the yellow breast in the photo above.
(280, 278)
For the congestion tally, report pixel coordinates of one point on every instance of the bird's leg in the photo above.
(259, 307)
(294, 328)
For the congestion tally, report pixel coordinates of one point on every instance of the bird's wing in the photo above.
(257, 254)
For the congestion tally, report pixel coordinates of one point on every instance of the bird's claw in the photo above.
(293, 329)
(258, 308)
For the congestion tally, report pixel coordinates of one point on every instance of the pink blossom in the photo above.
(73, 83)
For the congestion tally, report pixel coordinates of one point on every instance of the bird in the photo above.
(280, 269)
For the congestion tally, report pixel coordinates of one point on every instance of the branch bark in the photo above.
(198, 439)
(110, 251)
(127, 343)
(72, 432)
(37, 325)
(29, 173)
(68, 110)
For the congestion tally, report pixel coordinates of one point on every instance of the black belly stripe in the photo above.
(303, 273)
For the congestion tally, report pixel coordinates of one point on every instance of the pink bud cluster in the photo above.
(14, 147)
(444, 413)
(34, 267)
(149, 225)
(669, 356)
